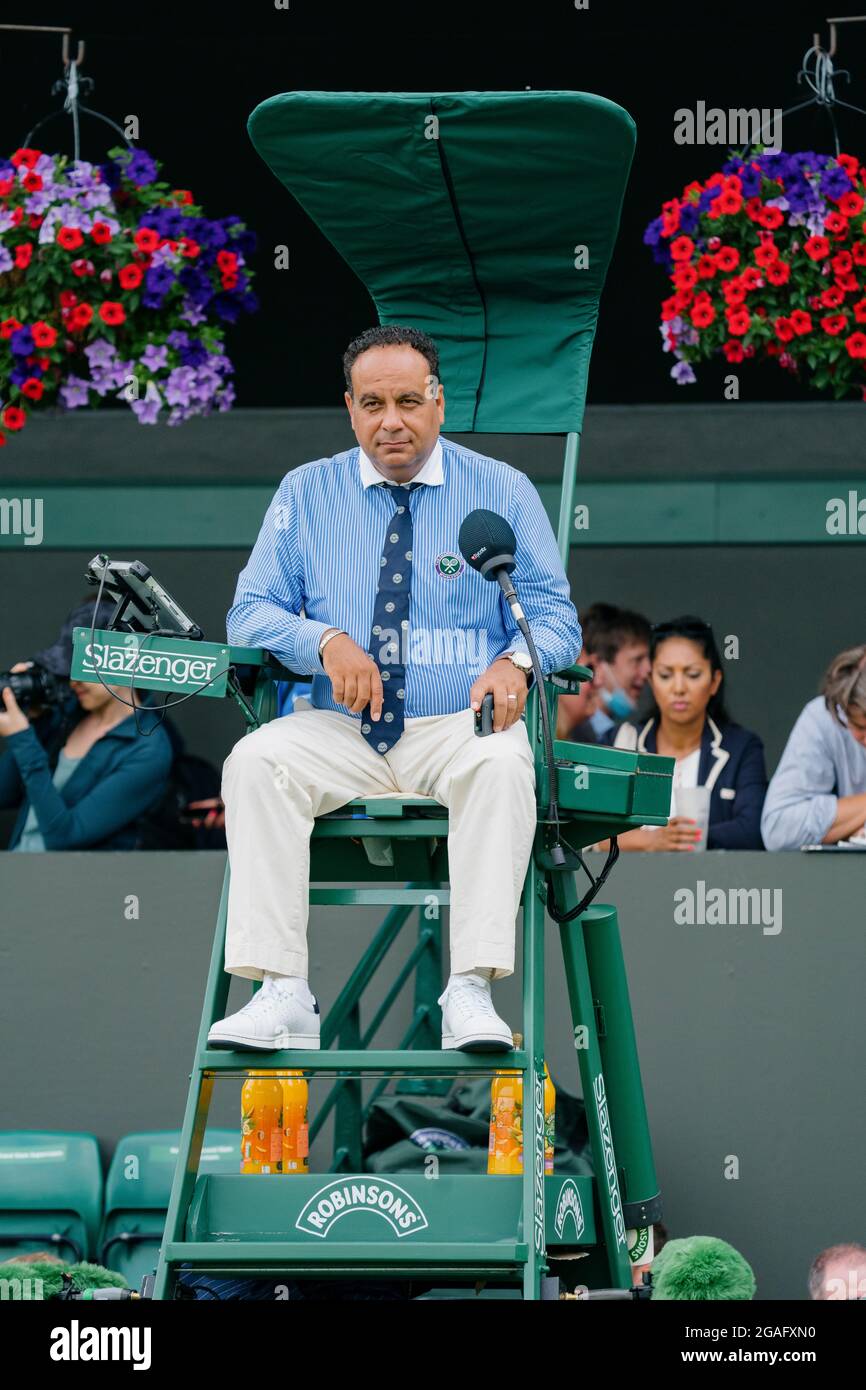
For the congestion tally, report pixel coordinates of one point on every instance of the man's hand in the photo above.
(12, 717)
(354, 676)
(509, 692)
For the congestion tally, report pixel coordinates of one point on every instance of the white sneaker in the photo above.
(274, 1018)
(469, 1020)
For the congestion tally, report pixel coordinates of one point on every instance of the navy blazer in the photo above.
(731, 765)
(123, 775)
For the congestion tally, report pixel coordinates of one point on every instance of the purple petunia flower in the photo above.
(159, 280)
(101, 353)
(192, 314)
(74, 391)
(682, 374)
(21, 342)
(140, 169)
(5, 260)
(177, 338)
(154, 357)
(147, 409)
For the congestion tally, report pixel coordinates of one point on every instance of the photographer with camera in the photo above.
(83, 764)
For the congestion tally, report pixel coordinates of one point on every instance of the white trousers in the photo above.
(278, 778)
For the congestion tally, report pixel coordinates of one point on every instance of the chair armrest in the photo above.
(569, 681)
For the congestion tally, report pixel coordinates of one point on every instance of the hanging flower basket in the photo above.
(767, 259)
(114, 284)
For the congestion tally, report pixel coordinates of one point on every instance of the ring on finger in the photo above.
(512, 697)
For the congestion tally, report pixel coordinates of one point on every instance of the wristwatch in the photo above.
(522, 662)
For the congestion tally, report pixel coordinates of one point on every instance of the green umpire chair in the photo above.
(488, 220)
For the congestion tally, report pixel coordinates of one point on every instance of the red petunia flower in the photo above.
(850, 204)
(856, 345)
(44, 335)
(849, 164)
(101, 233)
(67, 299)
(859, 311)
(706, 267)
(670, 311)
(681, 249)
(751, 279)
(13, 417)
(739, 322)
(9, 326)
(728, 203)
(79, 317)
(81, 268)
(778, 272)
(129, 277)
(734, 292)
(6, 186)
(784, 329)
(182, 195)
(727, 258)
(32, 182)
(847, 283)
(683, 298)
(817, 248)
(836, 225)
(189, 248)
(34, 222)
(832, 297)
(147, 240)
(801, 322)
(771, 218)
(670, 217)
(858, 252)
(70, 238)
(111, 312)
(842, 262)
(230, 282)
(683, 277)
(32, 388)
(733, 350)
(753, 207)
(703, 314)
(766, 254)
(23, 255)
(834, 323)
(228, 260)
(25, 156)
(16, 217)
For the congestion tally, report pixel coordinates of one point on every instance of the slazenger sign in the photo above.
(394, 1204)
(609, 1160)
(154, 663)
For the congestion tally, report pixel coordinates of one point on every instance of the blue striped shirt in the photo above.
(316, 565)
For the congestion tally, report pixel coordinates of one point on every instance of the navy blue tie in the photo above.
(390, 633)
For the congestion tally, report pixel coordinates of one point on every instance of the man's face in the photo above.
(394, 411)
(631, 667)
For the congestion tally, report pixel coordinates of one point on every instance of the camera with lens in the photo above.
(34, 688)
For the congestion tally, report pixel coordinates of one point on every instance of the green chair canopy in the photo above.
(464, 214)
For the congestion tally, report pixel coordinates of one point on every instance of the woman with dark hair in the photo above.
(818, 792)
(689, 722)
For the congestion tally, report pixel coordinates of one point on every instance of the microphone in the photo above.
(489, 545)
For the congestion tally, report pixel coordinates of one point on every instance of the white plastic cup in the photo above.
(694, 804)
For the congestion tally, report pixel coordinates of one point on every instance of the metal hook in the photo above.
(79, 59)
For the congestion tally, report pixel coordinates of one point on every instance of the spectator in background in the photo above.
(839, 1272)
(818, 792)
(81, 770)
(616, 646)
(574, 712)
(688, 721)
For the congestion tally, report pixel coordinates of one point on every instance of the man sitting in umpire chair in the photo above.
(357, 580)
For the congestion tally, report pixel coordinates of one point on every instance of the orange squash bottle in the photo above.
(261, 1123)
(296, 1130)
(505, 1149)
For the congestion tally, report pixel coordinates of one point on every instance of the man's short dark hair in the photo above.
(607, 628)
(390, 335)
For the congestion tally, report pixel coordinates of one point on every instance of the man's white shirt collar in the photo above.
(431, 473)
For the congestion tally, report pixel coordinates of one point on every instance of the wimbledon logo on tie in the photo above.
(153, 663)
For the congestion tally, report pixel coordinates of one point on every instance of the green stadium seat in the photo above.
(137, 1191)
(50, 1193)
